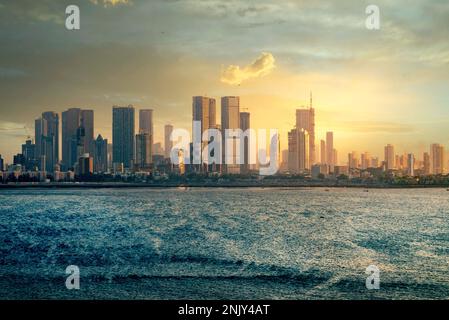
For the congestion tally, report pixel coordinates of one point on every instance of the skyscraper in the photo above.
(38, 138)
(203, 110)
(168, 144)
(298, 151)
(77, 135)
(330, 150)
(2, 164)
(305, 119)
(323, 158)
(100, 155)
(411, 164)
(123, 133)
(389, 157)
(437, 158)
(353, 161)
(230, 119)
(143, 151)
(426, 162)
(146, 121)
(47, 133)
(365, 161)
(245, 124)
(29, 153)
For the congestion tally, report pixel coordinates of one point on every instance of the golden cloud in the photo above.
(262, 66)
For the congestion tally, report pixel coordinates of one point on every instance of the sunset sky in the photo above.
(371, 87)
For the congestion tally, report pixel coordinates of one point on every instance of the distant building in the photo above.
(305, 119)
(353, 161)
(389, 157)
(144, 156)
(365, 161)
(245, 124)
(168, 144)
(29, 153)
(2, 164)
(146, 121)
(298, 151)
(330, 150)
(437, 158)
(341, 170)
(19, 160)
(410, 165)
(123, 122)
(75, 122)
(374, 162)
(319, 169)
(100, 155)
(426, 163)
(335, 160)
(85, 165)
(47, 134)
(230, 119)
(323, 158)
(158, 150)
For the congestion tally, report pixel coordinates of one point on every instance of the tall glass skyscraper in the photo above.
(123, 133)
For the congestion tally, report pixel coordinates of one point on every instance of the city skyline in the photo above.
(131, 149)
(371, 87)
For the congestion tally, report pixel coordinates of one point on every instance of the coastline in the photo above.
(168, 185)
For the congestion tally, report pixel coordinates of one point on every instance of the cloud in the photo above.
(108, 3)
(262, 66)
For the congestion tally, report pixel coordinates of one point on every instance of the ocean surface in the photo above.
(224, 243)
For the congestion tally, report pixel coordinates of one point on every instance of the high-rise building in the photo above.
(323, 158)
(389, 157)
(353, 160)
(330, 150)
(245, 124)
(77, 135)
(230, 119)
(437, 158)
(2, 164)
(143, 151)
(38, 137)
(335, 152)
(146, 121)
(375, 162)
(298, 151)
(203, 110)
(365, 161)
(426, 163)
(305, 119)
(168, 144)
(123, 134)
(100, 155)
(29, 153)
(410, 165)
(48, 137)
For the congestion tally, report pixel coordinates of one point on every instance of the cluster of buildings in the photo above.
(132, 153)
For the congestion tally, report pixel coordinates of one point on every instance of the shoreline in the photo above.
(92, 185)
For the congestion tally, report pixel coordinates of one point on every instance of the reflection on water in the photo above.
(224, 243)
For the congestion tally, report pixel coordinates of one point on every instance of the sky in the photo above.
(370, 87)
